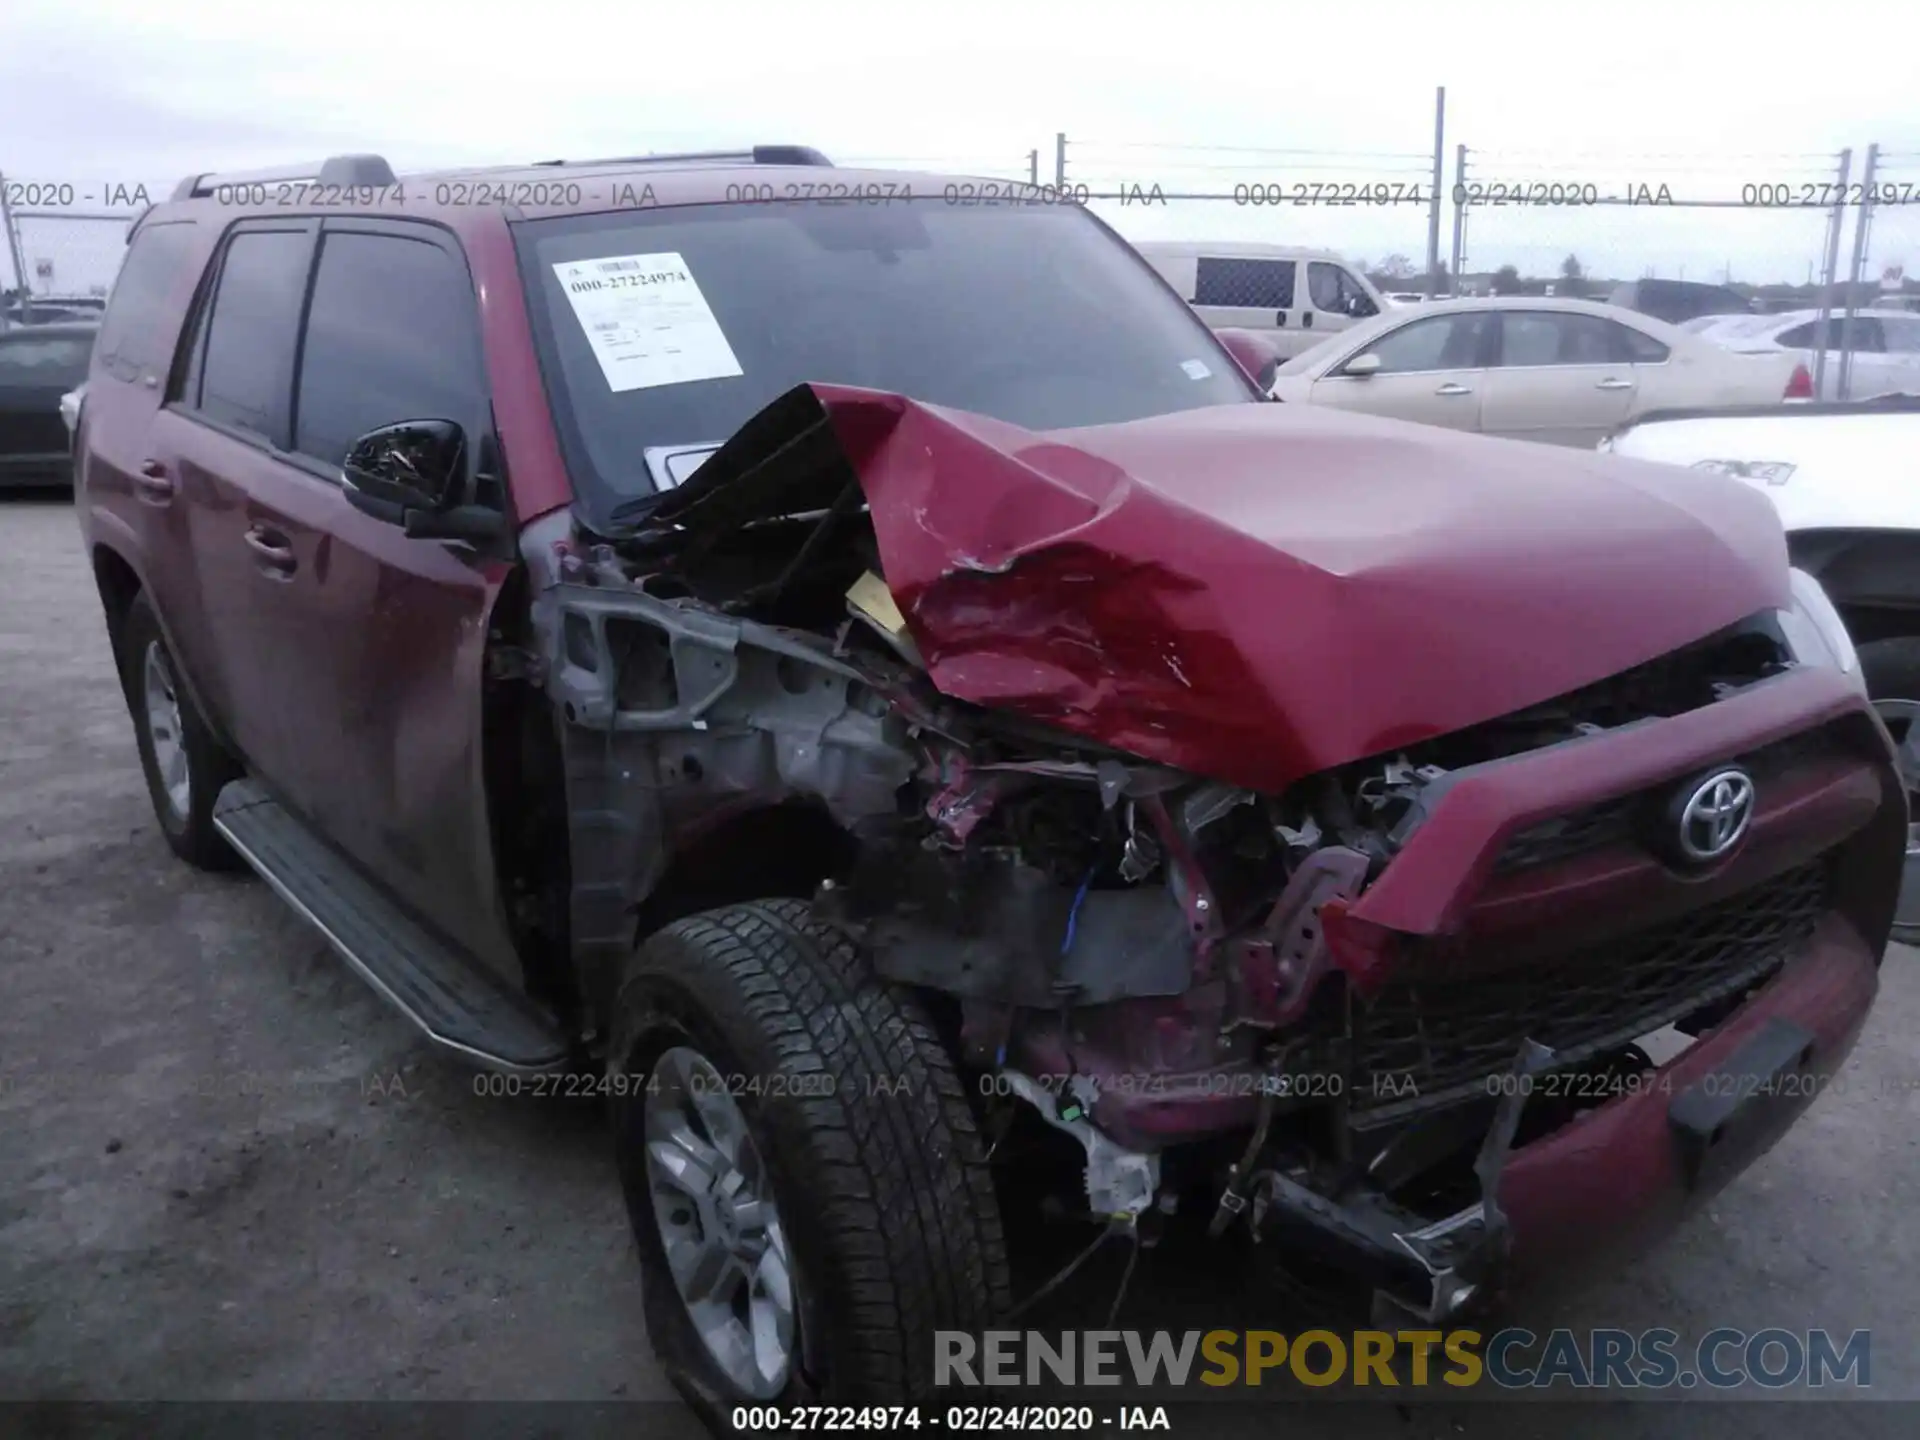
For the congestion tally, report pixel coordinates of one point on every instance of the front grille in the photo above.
(1614, 822)
(1447, 1037)
(1672, 684)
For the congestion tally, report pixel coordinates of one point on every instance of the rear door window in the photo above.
(1543, 337)
(1240, 280)
(246, 370)
(392, 335)
(1864, 339)
(1901, 334)
(137, 332)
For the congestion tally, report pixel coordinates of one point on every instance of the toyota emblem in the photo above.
(1715, 815)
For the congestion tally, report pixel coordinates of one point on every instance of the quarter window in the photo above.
(134, 332)
(1636, 346)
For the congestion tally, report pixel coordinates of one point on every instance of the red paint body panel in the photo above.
(1611, 1182)
(1428, 887)
(536, 474)
(1257, 592)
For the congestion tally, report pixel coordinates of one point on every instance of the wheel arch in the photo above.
(119, 584)
(1872, 577)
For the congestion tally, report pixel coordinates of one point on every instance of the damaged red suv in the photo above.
(849, 664)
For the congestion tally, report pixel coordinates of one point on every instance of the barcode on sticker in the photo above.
(611, 267)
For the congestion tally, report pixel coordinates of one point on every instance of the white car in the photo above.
(1845, 479)
(1885, 344)
(1566, 372)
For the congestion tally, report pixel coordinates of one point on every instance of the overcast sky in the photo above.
(1702, 98)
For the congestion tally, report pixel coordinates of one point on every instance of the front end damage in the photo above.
(1377, 983)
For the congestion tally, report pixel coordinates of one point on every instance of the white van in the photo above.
(1298, 296)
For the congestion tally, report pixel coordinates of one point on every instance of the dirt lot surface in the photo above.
(227, 1172)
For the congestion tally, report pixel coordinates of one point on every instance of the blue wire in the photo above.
(1066, 944)
(1073, 915)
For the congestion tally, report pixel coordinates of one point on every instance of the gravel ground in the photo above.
(227, 1172)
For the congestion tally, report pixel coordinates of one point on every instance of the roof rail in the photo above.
(758, 155)
(335, 170)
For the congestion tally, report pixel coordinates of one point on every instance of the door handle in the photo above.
(273, 550)
(152, 481)
(1612, 384)
(1306, 321)
(1452, 389)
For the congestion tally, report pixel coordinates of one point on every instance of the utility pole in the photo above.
(1829, 272)
(1861, 221)
(13, 251)
(1060, 160)
(1033, 166)
(1459, 217)
(1433, 209)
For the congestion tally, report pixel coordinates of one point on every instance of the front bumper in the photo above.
(1619, 1177)
(1613, 1176)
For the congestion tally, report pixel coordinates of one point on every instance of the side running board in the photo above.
(457, 1004)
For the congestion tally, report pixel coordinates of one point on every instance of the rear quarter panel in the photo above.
(114, 440)
(1701, 374)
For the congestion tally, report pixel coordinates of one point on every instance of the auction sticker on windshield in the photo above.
(646, 320)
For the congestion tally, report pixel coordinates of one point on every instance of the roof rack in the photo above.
(757, 155)
(335, 170)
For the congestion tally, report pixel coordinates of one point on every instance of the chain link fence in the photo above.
(1759, 225)
(62, 241)
(1363, 203)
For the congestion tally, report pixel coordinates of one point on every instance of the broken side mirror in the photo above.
(1253, 353)
(414, 465)
(414, 474)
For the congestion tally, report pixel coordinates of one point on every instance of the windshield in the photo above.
(672, 327)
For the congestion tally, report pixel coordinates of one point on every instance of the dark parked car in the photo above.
(860, 678)
(39, 364)
(1677, 301)
(50, 310)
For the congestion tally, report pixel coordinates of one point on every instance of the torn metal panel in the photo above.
(673, 716)
(1198, 588)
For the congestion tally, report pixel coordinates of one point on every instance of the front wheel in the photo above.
(804, 1178)
(1892, 672)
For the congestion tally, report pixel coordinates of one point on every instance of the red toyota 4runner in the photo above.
(849, 663)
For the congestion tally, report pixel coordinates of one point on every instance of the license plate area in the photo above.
(1726, 1114)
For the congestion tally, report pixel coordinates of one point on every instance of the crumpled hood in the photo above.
(1256, 592)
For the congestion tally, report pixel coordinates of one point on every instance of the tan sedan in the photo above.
(1567, 372)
